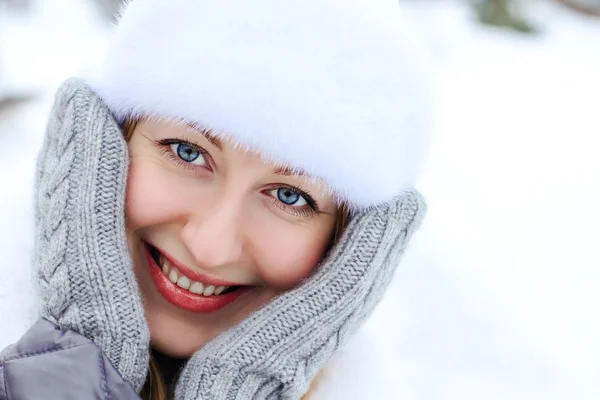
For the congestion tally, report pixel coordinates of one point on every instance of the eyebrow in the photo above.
(208, 134)
(289, 171)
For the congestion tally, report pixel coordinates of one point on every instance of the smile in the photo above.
(188, 289)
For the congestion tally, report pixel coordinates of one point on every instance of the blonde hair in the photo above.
(155, 388)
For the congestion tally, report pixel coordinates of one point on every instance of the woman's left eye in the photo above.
(289, 197)
(188, 153)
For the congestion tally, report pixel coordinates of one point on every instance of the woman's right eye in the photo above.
(188, 153)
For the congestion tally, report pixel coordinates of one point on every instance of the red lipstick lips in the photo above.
(183, 298)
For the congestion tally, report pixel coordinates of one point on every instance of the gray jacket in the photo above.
(51, 363)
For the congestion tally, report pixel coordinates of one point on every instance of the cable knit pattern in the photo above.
(277, 352)
(81, 257)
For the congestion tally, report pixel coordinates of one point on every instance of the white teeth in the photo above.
(186, 283)
(209, 290)
(219, 290)
(197, 288)
(183, 282)
(173, 276)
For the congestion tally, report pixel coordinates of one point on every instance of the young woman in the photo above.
(224, 202)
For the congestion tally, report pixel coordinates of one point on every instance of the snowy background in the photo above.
(498, 296)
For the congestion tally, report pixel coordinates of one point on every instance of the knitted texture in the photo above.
(81, 258)
(277, 352)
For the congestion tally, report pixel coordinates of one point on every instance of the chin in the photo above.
(175, 332)
(176, 349)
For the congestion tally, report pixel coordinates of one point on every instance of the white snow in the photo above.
(498, 296)
(38, 51)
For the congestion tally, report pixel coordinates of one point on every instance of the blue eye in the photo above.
(188, 153)
(289, 197)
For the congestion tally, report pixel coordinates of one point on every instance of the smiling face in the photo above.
(215, 232)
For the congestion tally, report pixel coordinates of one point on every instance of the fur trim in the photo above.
(335, 88)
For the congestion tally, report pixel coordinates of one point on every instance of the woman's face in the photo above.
(215, 232)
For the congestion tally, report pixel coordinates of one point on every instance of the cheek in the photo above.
(154, 196)
(284, 260)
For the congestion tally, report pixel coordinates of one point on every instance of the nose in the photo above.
(214, 237)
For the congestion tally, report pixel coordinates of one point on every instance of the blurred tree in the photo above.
(110, 8)
(589, 7)
(20, 5)
(501, 13)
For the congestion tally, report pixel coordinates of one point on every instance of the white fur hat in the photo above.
(336, 88)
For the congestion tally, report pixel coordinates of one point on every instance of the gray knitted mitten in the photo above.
(277, 351)
(82, 261)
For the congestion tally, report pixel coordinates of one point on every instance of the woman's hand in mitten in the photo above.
(82, 260)
(277, 351)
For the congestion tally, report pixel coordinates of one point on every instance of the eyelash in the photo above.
(165, 149)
